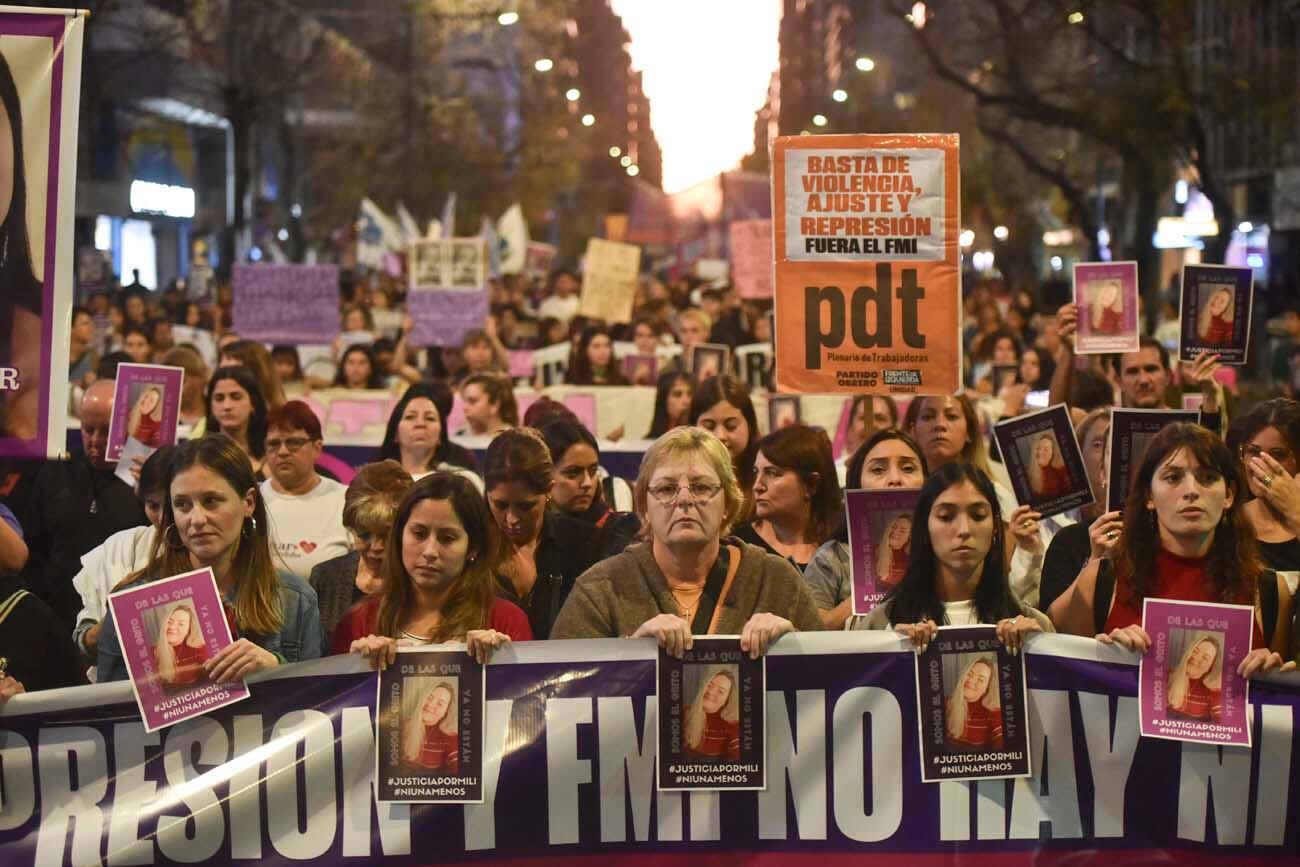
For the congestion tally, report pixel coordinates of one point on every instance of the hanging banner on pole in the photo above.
(40, 81)
(868, 279)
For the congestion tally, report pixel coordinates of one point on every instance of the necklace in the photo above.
(418, 639)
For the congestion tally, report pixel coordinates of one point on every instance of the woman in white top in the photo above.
(956, 575)
(419, 439)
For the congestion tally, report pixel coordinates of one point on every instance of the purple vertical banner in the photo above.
(168, 630)
(40, 64)
(1215, 314)
(1188, 686)
(286, 303)
(880, 541)
(443, 316)
(146, 407)
(1107, 297)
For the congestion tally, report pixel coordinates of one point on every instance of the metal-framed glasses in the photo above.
(293, 444)
(666, 493)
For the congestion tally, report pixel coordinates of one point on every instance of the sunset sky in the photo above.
(706, 66)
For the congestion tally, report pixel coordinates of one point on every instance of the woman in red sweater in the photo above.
(1195, 688)
(713, 719)
(430, 742)
(438, 582)
(1184, 537)
(974, 714)
(181, 650)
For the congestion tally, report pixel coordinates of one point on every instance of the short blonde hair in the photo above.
(698, 315)
(690, 440)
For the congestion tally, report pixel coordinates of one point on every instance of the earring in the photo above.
(178, 544)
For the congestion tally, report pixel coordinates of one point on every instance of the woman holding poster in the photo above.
(1193, 690)
(180, 650)
(430, 742)
(214, 516)
(1184, 537)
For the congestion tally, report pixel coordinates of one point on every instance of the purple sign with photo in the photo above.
(1216, 307)
(1043, 459)
(443, 316)
(880, 541)
(168, 630)
(1131, 432)
(1188, 686)
(146, 407)
(1106, 294)
(783, 410)
(641, 369)
(286, 303)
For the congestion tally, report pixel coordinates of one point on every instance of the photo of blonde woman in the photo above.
(1214, 324)
(893, 547)
(180, 650)
(1106, 312)
(145, 422)
(713, 717)
(973, 713)
(430, 741)
(1194, 688)
(1048, 476)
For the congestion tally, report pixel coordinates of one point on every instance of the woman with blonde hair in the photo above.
(713, 718)
(429, 738)
(973, 714)
(1215, 321)
(1107, 314)
(1047, 474)
(180, 650)
(145, 422)
(892, 553)
(1196, 683)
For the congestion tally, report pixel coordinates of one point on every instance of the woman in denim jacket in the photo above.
(214, 516)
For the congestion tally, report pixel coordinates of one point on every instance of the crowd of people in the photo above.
(726, 529)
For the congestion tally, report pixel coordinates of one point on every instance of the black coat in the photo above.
(567, 548)
(37, 649)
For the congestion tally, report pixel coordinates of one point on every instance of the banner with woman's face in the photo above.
(40, 74)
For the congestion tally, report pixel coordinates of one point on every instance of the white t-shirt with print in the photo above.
(307, 529)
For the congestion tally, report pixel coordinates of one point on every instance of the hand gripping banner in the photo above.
(569, 772)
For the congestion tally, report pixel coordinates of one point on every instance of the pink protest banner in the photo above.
(751, 258)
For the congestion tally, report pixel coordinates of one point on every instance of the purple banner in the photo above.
(292, 304)
(569, 772)
(442, 316)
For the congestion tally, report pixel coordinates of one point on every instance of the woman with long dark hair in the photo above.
(357, 369)
(956, 574)
(1267, 440)
(593, 359)
(237, 408)
(417, 436)
(579, 491)
(673, 395)
(722, 407)
(438, 580)
(214, 516)
(1184, 536)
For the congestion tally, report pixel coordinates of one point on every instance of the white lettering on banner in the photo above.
(1224, 771)
(990, 809)
(804, 760)
(625, 768)
(1110, 756)
(246, 788)
(283, 794)
(185, 784)
(358, 763)
(62, 750)
(17, 784)
(1053, 799)
(130, 785)
(1274, 775)
(565, 772)
(706, 815)
(480, 819)
(848, 733)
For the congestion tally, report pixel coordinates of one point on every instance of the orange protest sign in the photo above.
(868, 280)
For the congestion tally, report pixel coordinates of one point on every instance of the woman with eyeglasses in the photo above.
(690, 577)
(369, 509)
(1267, 440)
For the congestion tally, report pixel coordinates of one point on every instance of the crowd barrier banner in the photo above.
(40, 55)
(286, 303)
(867, 272)
(286, 776)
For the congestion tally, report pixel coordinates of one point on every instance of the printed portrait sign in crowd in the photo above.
(1043, 459)
(146, 408)
(1216, 309)
(868, 289)
(880, 542)
(286, 303)
(40, 77)
(1106, 294)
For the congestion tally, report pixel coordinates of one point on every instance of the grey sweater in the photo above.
(614, 597)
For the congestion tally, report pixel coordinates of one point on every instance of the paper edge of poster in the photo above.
(1250, 309)
(135, 689)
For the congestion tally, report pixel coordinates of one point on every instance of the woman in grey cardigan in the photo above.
(689, 578)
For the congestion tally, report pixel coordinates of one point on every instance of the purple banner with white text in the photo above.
(569, 772)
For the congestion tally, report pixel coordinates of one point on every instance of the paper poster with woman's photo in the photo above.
(783, 410)
(40, 82)
(972, 707)
(429, 717)
(708, 360)
(1131, 432)
(1106, 294)
(146, 407)
(712, 718)
(168, 630)
(1216, 306)
(641, 369)
(1044, 461)
(1188, 686)
(880, 541)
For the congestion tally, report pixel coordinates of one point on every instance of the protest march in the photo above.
(855, 497)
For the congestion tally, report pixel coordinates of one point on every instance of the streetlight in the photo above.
(1075, 18)
(588, 119)
(505, 19)
(1245, 227)
(544, 64)
(572, 94)
(865, 64)
(819, 120)
(633, 171)
(615, 151)
(1000, 232)
(839, 94)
